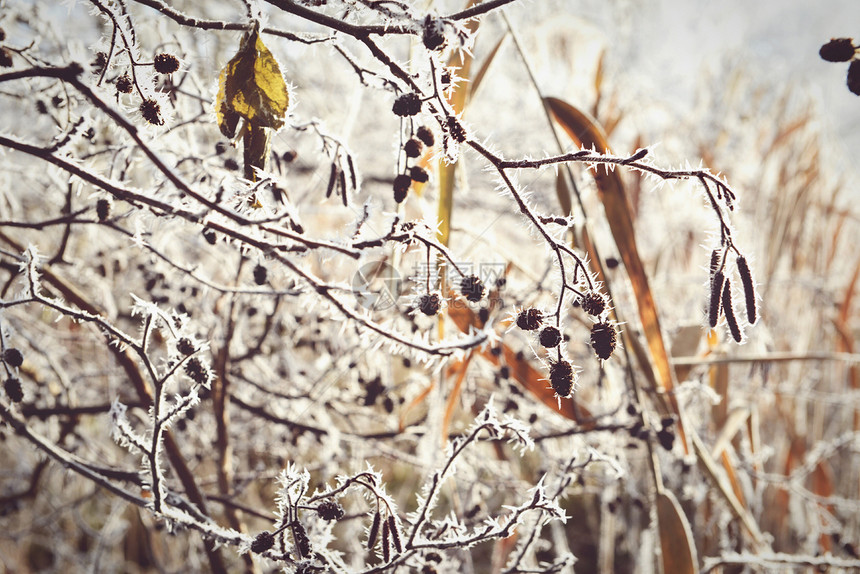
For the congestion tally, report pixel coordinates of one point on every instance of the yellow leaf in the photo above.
(252, 87)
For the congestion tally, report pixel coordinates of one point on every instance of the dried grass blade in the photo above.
(732, 476)
(462, 368)
(462, 62)
(676, 536)
(563, 193)
(734, 423)
(710, 468)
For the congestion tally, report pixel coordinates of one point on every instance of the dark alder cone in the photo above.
(13, 357)
(561, 378)
(166, 63)
(550, 337)
(260, 275)
(124, 84)
(401, 187)
(210, 236)
(185, 346)
(837, 50)
(472, 288)
(5, 58)
(330, 510)
(300, 537)
(373, 534)
(603, 339)
(749, 289)
(13, 389)
(386, 541)
(395, 534)
(429, 304)
(593, 303)
(197, 371)
(432, 34)
(425, 134)
(853, 78)
(103, 209)
(716, 293)
(151, 112)
(666, 438)
(413, 147)
(407, 105)
(729, 312)
(262, 542)
(419, 174)
(529, 319)
(2, 34)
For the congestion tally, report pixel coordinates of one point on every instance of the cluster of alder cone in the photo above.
(721, 294)
(149, 108)
(844, 50)
(12, 358)
(603, 339)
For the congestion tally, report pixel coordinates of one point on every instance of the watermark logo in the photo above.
(377, 286)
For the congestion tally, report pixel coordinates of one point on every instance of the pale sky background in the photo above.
(780, 38)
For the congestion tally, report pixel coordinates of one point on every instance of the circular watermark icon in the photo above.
(377, 286)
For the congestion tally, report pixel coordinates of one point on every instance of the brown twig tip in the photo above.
(716, 291)
(749, 289)
(730, 313)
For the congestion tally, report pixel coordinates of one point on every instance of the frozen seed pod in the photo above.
(260, 274)
(401, 187)
(151, 112)
(603, 339)
(550, 337)
(529, 319)
(166, 63)
(13, 357)
(425, 134)
(749, 289)
(429, 304)
(729, 312)
(407, 105)
(419, 174)
(838, 50)
(593, 303)
(715, 308)
(330, 510)
(472, 288)
(262, 542)
(13, 389)
(413, 147)
(561, 378)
